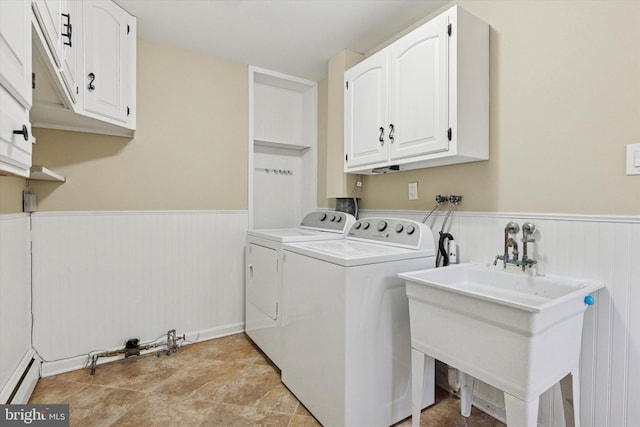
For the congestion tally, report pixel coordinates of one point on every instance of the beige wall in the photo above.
(189, 151)
(11, 189)
(565, 101)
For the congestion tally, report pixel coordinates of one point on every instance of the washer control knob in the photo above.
(323, 217)
(357, 225)
(333, 218)
(365, 225)
(338, 218)
(382, 225)
(410, 229)
(399, 228)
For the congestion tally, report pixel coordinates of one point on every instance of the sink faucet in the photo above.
(511, 228)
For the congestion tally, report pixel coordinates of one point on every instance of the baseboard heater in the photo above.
(25, 382)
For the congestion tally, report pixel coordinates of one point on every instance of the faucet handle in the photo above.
(512, 228)
(527, 230)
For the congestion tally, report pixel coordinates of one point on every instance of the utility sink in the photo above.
(529, 293)
(519, 333)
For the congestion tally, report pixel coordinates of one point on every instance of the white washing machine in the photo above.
(347, 344)
(263, 290)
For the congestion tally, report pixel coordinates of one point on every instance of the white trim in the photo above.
(112, 213)
(627, 219)
(11, 216)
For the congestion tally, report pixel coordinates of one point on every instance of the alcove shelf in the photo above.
(40, 173)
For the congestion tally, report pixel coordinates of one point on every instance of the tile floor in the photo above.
(222, 382)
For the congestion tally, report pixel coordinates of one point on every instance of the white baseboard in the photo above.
(25, 377)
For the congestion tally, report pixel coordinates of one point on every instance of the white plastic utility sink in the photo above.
(529, 293)
(518, 333)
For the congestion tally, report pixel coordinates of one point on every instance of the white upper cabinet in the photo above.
(92, 87)
(71, 47)
(15, 49)
(108, 42)
(422, 101)
(366, 111)
(49, 16)
(419, 91)
(15, 87)
(15, 136)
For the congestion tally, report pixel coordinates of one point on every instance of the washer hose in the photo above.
(442, 249)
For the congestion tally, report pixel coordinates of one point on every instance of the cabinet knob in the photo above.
(91, 87)
(381, 137)
(24, 132)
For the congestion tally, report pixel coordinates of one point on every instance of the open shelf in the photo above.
(41, 173)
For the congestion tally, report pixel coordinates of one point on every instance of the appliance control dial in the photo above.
(333, 218)
(410, 229)
(357, 225)
(365, 225)
(382, 225)
(399, 228)
(323, 217)
(338, 219)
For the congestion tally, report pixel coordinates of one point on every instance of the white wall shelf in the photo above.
(41, 173)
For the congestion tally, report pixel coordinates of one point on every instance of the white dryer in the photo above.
(347, 344)
(263, 291)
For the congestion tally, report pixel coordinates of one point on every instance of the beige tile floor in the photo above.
(222, 382)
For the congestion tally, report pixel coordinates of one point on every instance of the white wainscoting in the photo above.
(15, 301)
(102, 277)
(591, 247)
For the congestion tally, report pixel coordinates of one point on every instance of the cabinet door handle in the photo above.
(381, 137)
(391, 132)
(91, 87)
(24, 132)
(69, 29)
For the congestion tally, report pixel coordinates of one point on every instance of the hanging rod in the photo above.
(276, 171)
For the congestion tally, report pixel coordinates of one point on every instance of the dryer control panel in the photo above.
(393, 231)
(332, 221)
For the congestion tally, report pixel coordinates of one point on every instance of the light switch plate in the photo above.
(633, 159)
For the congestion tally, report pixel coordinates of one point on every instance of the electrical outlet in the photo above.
(413, 191)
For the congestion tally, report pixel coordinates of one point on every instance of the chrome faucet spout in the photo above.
(511, 228)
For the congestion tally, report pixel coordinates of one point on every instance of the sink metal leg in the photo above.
(417, 377)
(521, 413)
(466, 393)
(570, 389)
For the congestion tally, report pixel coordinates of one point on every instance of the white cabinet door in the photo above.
(15, 49)
(15, 149)
(49, 15)
(262, 279)
(71, 48)
(418, 94)
(106, 59)
(366, 113)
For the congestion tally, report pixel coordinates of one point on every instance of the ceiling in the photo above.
(295, 37)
